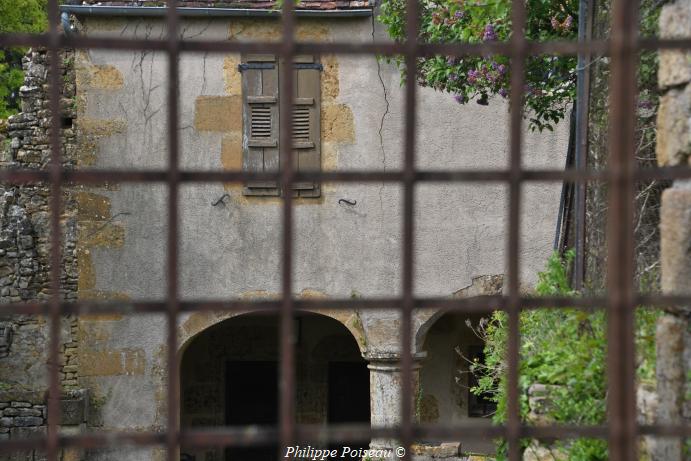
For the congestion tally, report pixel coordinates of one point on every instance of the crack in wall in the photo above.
(383, 118)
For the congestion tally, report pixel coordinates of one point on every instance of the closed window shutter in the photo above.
(260, 121)
(306, 123)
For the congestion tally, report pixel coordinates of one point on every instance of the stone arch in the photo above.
(451, 344)
(230, 365)
(197, 322)
(483, 285)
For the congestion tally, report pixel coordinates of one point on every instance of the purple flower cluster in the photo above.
(555, 23)
(473, 75)
(568, 22)
(460, 98)
(489, 34)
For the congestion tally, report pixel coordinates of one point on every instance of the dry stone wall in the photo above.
(674, 149)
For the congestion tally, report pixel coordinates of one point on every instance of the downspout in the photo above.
(585, 33)
(561, 234)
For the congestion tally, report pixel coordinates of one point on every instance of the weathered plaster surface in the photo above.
(232, 250)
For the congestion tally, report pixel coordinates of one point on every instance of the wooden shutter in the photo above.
(260, 121)
(306, 122)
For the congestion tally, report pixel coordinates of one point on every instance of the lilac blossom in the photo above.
(489, 34)
(568, 23)
(555, 23)
(460, 98)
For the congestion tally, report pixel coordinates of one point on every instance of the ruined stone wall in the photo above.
(674, 148)
(25, 252)
(24, 209)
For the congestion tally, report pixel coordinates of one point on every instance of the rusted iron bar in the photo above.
(412, 27)
(243, 436)
(172, 180)
(55, 200)
(517, 61)
(620, 240)
(286, 340)
(600, 47)
(474, 305)
(538, 175)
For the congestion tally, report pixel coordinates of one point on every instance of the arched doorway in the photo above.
(229, 376)
(445, 381)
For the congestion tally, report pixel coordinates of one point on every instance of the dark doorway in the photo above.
(348, 392)
(229, 377)
(349, 396)
(251, 398)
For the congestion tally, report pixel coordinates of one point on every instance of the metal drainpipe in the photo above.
(585, 32)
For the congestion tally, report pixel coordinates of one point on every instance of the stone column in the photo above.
(674, 149)
(386, 381)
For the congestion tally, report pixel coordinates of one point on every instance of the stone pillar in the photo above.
(673, 335)
(386, 380)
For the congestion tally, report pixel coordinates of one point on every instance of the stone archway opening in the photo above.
(229, 377)
(445, 379)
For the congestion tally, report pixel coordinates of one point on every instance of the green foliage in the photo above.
(550, 80)
(27, 16)
(565, 348)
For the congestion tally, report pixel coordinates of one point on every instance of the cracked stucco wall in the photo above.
(232, 250)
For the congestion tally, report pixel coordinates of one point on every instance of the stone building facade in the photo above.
(114, 366)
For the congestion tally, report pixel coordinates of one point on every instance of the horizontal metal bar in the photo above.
(160, 12)
(477, 304)
(598, 47)
(254, 435)
(121, 176)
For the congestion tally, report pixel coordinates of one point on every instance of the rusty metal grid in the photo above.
(621, 431)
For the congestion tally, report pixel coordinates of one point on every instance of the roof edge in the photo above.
(160, 11)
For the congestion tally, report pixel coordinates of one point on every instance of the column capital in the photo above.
(391, 360)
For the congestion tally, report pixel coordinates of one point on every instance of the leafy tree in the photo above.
(28, 16)
(550, 80)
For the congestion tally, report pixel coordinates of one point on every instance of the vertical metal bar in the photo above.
(585, 15)
(411, 46)
(55, 172)
(287, 380)
(172, 435)
(518, 56)
(620, 354)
